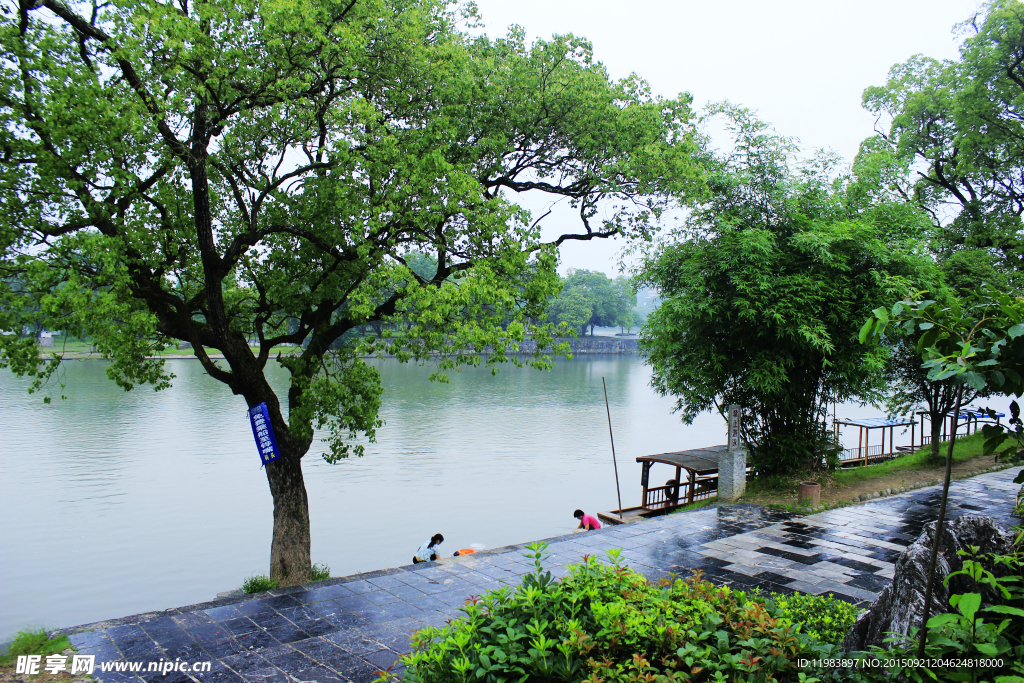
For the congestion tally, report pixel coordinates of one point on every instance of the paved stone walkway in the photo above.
(349, 628)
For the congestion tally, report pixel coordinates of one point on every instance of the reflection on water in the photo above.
(116, 503)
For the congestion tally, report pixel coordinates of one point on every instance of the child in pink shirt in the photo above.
(587, 522)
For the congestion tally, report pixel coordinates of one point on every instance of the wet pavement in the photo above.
(347, 629)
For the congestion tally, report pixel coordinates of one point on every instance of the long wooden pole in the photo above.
(608, 410)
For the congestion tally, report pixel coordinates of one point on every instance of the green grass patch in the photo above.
(771, 484)
(259, 583)
(966, 448)
(62, 345)
(797, 508)
(695, 505)
(321, 572)
(84, 347)
(34, 643)
(187, 351)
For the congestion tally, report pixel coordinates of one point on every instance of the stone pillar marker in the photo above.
(732, 462)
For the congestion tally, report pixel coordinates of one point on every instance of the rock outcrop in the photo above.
(901, 604)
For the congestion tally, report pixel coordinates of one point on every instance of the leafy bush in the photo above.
(258, 583)
(321, 572)
(610, 624)
(822, 617)
(34, 643)
(987, 627)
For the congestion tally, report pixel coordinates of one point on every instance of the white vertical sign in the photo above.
(734, 427)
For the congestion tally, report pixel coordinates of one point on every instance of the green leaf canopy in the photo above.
(958, 124)
(764, 289)
(227, 172)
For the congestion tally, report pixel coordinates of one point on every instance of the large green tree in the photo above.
(958, 124)
(911, 386)
(590, 299)
(763, 288)
(220, 170)
(885, 179)
(571, 308)
(974, 345)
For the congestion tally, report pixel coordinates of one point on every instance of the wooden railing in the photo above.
(666, 496)
(660, 496)
(873, 454)
(706, 487)
(858, 453)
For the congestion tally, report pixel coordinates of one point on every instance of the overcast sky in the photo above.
(802, 64)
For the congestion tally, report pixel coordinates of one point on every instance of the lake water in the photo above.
(115, 503)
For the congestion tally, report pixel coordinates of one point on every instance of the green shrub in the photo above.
(986, 626)
(321, 572)
(258, 583)
(822, 617)
(34, 643)
(610, 624)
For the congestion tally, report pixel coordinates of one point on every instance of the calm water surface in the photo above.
(116, 503)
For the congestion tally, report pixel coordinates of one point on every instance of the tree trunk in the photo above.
(936, 427)
(290, 561)
(930, 578)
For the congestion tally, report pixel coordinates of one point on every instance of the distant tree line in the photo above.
(591, 299)
(587, 299)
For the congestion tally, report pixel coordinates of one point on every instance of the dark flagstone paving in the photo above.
(347, 629)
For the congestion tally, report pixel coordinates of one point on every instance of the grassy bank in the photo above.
(76, 348)
(966, 448)
(33, 643)
(845, 486)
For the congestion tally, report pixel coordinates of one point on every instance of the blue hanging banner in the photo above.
(264, 433)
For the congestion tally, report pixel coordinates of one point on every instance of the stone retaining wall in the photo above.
(592, 345)
(580, 346)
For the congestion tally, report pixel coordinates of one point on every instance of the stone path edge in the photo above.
(288, 590)
(336, 580)
(347, 629)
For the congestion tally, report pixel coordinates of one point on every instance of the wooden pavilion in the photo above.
(970, 414)
(865, 453)
(700, 466)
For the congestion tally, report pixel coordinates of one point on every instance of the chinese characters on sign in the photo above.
(29, 664)
(264, 433)
(734, 428)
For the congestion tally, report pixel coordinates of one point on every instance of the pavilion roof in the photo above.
(878, 422)
(697, 459)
